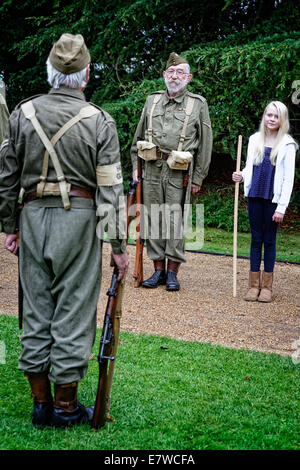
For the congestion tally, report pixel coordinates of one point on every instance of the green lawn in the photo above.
(167, 394)
(220, 241)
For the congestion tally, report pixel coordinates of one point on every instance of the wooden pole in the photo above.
(236, 203)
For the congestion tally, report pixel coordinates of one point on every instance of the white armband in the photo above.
(109, 175)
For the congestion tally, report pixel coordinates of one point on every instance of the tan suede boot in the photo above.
(254, 286)
(266, 287)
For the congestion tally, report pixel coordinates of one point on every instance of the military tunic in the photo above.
(60, 254)
(162, 185)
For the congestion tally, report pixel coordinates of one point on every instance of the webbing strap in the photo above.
(29, 112)
(85, 112)
(149, 131)
(188, 111)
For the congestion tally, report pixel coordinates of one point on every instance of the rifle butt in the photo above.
(99, 415)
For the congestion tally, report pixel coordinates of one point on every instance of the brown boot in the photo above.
(266, 287)
(43, 401)
(254, 286)
(172, 282)
(67, 410)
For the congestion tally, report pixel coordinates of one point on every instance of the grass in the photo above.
(167, 394)
(220, 241)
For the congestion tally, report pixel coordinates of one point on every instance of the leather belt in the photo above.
(74, 192)
(162, 156)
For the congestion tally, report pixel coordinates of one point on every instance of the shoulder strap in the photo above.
(188, 112)
(155, 101)
(29, 112)
(85, 112)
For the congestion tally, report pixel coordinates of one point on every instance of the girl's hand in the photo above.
(277, 217)
(237, 176)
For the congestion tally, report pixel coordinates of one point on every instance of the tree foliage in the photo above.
(129, 40)
(243, 54)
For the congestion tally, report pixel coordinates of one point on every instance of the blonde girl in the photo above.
(268, 182)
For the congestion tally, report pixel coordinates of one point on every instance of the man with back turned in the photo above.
(64, 154)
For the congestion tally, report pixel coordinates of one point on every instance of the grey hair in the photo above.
(57, 79)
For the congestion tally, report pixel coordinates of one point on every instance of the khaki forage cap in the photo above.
(69, 54)
(175, 59)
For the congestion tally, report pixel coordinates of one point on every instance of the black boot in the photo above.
(67, 410)
(172, 282)
(43, 401)
(158, 278)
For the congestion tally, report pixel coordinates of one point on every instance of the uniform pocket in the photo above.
(153, 169)
(176, 182)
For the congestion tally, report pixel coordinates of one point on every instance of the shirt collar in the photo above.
(64, 90)
(177, 99)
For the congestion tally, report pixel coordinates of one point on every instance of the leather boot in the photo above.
(67, 410)
(158, 278)
(266, 287)
(172, 282)
(254, 286)
(43, 401)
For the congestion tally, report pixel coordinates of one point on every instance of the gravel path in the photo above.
(204, 310)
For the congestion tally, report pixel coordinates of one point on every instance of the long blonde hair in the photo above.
(283, 129)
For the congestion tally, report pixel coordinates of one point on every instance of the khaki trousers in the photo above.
(163, 192)
(60, 268)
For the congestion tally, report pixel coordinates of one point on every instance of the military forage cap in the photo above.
(69, 54)
(175, 59)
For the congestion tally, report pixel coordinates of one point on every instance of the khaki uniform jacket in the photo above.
(88, 145)
(167, 123)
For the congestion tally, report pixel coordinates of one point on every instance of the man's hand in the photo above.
(135, 175)
(122, 262)
(11, 243)
(195, 189)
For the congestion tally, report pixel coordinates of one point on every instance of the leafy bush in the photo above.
(219, 211)
(238, 81)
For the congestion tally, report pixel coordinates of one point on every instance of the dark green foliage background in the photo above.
(242, 54)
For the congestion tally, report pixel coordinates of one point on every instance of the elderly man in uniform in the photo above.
(174, 137)
(65, 155)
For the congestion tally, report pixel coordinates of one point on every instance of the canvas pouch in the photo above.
(146, 150)
(179, 160)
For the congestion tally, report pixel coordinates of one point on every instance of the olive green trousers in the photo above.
(60, 268)
(163, 200)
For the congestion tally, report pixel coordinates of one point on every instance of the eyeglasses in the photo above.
(179, 72)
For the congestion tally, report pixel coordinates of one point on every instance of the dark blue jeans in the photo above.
(263, 232)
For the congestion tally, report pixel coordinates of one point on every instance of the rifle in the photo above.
(130, 203)
(108, 350)
(20, 288)
(138, 266)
